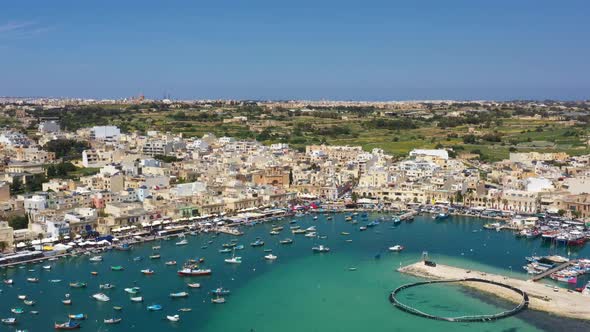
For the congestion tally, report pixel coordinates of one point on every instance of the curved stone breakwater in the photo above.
(474, 318)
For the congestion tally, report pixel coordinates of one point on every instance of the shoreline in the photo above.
(541, 298)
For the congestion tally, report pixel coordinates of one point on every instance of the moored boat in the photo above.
(173, 318)
(396, 248)
(286, 241)
(320, 248)
(101, 297)
(178, 295)
(69, 325)
(112, 320)
(187, 272)
(77, 316)
(154, 307)
(147, 271)
(9, 321)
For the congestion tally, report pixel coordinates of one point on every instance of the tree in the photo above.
(18, 222)
(50, 171)
(16, 187)
(354, 197)
(3, 246)
(469, 139)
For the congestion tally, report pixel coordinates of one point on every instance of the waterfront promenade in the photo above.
(541, 297)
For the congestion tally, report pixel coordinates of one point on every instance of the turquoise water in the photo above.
(300, 291)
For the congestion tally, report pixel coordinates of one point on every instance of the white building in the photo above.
(48, 127)
(105, 133)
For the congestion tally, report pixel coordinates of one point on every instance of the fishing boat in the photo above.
(233, 260)
(220, 291)
(154, 307)
(118, 308)
(229, 245)
(182, 243)
(156, 248)
(441, 216)
(277, 229)
(22, 297)
(298, 231)
(78, 284)
(267, 250)
(218, 300)
(194, 285)
(78, 317)
(136, 299)
(320, 248)
(55, 280)
(113, 320)
(147, 271)
(17, 311)
(178, 295)
(47, 267)
(257, 243)
(137, 259)
(94, 273)
(117, 268)
(224, 251)
(352, 269)
(69, 325)
(171, 263)
(286, 241)
(132, 290)
(189, 272)
(101, 297)
(239, 247)
(185, 309)
(123, 247)
(29, 302)
(362, 228)
(348, 218)
(8, 281)
(373, 223)
(156, 256)
(33, 312)
(294, 227)
(274, 233)
(173, 318)
(270, 257)
(33, 280)
(106, 286)
(311, 234)
(67, 301)
(349, 240)
(96, 259)
(204, 247)
(9, 321)
(344, 233)
(396, 248)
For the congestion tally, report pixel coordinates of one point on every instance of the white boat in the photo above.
(96, 259)
(9, 321)
(106, 286)
(320, 248)
(136, 299)
(194, 285)
(101, 297)
(47, 267)
(173, 318)
(178, 295)
(218, 300)
(311, 234)
(310, 229)
(8, 281)
(22, 297)
(396, 248)
(233, 260)
(270, 257)
(182, 243)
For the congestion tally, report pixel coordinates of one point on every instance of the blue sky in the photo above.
(349, 50)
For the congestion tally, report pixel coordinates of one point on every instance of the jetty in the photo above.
(552, 270)
(542, 297)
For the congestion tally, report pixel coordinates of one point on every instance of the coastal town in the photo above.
(66, 193)
(118, 183)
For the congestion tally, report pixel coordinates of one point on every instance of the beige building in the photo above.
(6, 237)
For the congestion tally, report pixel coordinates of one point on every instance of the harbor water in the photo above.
(300, 291)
